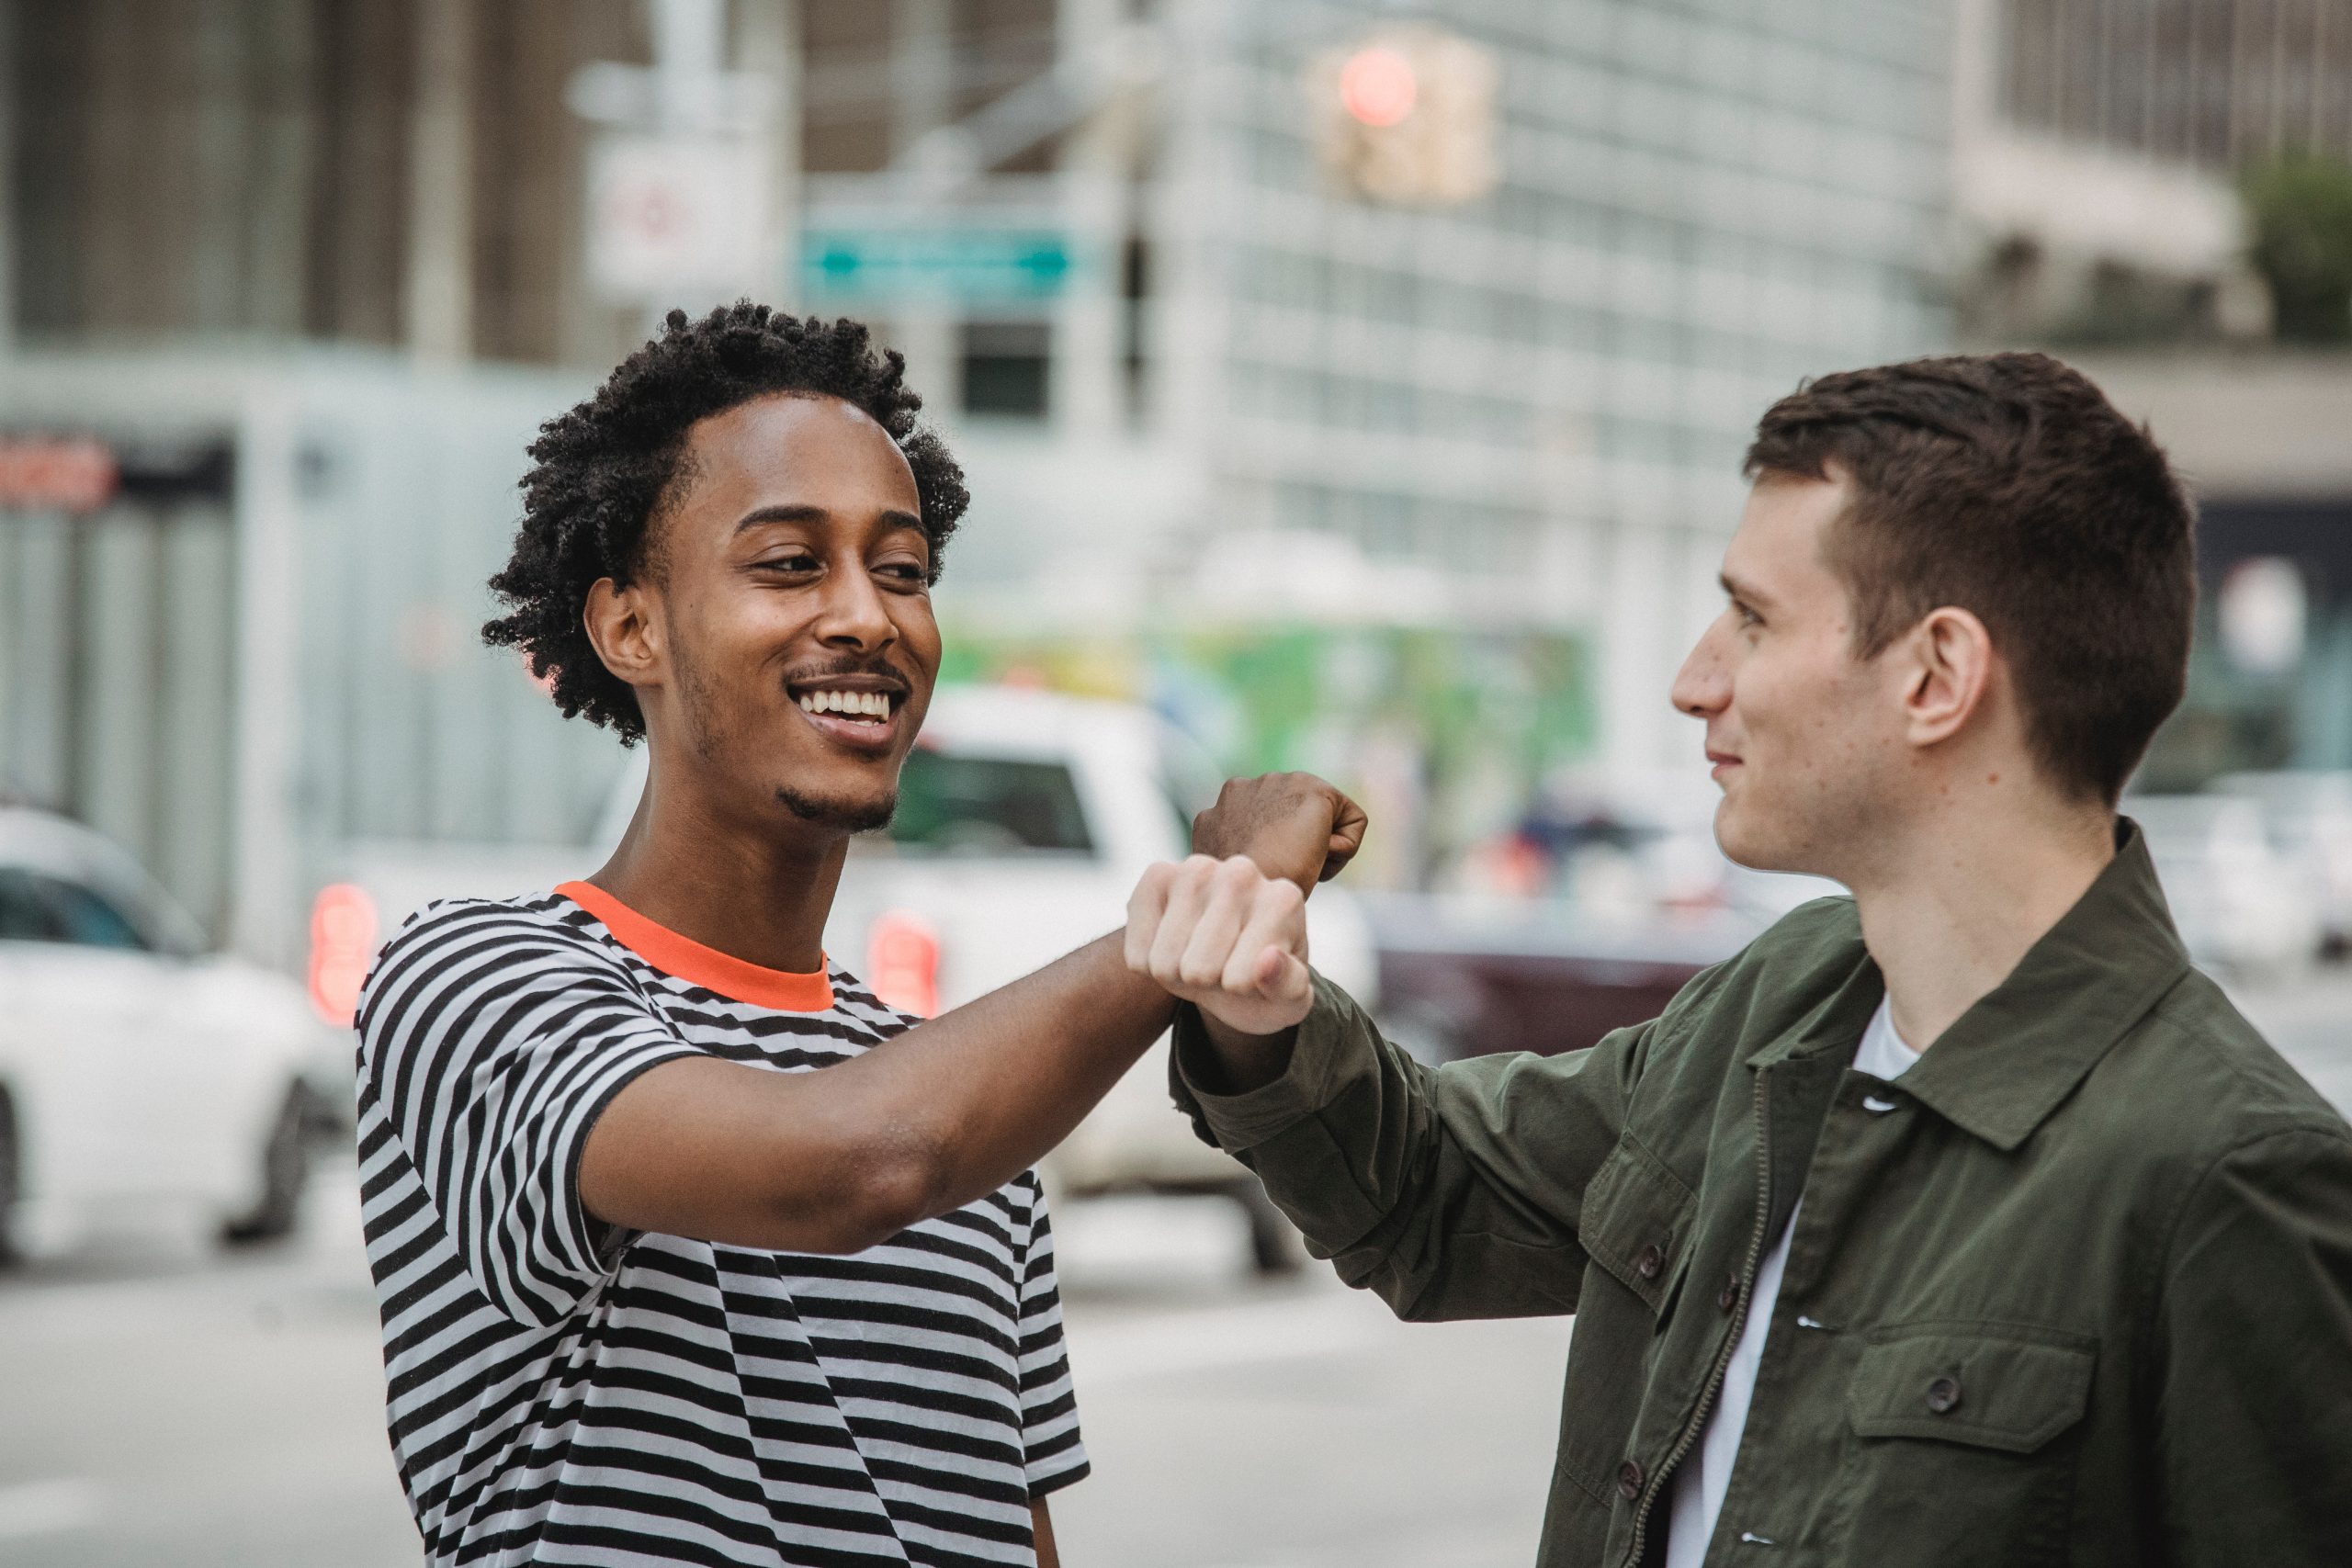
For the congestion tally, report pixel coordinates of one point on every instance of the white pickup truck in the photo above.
(1024, 819)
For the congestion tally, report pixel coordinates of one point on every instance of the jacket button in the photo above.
(1943, 1395)
(1728, 1297)
(1629, 1481)
(1650, 1261)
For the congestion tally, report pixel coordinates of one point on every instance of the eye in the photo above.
(792, 563)
(1747, 618)
(904, 569)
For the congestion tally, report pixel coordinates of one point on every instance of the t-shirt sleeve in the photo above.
(1052, 1452)
(492, 1040)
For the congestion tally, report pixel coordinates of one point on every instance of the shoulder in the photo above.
(2199, 1115)
(535, 929)
(1779, 976)
(2197, 1068)
(544, 937)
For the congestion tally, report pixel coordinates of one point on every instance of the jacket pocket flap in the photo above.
(2012, 1389)
(1636, 1220)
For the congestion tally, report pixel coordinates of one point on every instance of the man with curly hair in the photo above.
(653, 1289)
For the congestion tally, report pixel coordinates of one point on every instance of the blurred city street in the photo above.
(1362, 387)
(171, 1407)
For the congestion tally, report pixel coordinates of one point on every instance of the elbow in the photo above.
(882, 1192)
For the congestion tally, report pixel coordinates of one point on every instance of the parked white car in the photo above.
(1024, 819)
(141, 1076)
(2241, 907)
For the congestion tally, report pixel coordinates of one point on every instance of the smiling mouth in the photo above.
(859, 713)
(872, 708)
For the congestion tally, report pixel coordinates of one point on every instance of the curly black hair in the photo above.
(602, 472)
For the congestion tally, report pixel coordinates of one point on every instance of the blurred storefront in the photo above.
(238, 607)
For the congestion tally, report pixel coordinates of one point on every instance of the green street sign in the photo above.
(954, 264)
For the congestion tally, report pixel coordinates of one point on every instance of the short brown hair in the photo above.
(2008, 485)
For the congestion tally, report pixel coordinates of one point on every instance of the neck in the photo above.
(1963, 897)
(739, 886)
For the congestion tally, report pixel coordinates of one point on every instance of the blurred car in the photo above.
(2241, 905)
(2309, 818)
(1618, 896)
(139, 1075)
(1024, 819)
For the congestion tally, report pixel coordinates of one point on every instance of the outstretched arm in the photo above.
(839, 1159)
(1456, 1192)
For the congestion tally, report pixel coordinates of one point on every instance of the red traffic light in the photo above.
(1377, 85)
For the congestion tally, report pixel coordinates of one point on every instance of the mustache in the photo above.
(877, 667)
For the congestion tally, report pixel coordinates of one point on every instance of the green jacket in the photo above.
(2083, 1297)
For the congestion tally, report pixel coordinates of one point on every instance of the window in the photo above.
(1004, 368)
(34, 907)
(988, 806)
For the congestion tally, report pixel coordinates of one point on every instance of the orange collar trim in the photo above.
(706, 966)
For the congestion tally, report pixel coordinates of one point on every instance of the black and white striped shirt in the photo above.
(562, 1392)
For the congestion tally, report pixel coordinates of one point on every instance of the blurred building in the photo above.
(1518, 398)
(2098, 151)
(1444, 315)
(2103, 157)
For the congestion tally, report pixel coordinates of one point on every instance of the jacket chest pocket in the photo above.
(1636, 1223)
(1961, 1451)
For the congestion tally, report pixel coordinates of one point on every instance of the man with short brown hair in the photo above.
(1958, 1223)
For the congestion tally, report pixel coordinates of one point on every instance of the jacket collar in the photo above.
(2004, 1066)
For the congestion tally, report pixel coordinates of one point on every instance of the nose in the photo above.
(851, 615)
(1703, 686)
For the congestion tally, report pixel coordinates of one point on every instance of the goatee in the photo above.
(848, 816)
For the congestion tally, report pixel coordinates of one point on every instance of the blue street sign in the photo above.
(960, 264)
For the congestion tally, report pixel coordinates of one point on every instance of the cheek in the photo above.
(1799, 706)
(918, 628)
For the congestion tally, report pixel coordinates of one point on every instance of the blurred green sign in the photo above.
(962, 265)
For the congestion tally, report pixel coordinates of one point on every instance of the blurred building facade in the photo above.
(2098, 151)
(1198, 366)
(2103, 160)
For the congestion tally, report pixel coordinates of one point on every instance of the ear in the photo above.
(624, 626)
(1949, 668)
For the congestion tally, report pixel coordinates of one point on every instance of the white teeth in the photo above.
(874, 704)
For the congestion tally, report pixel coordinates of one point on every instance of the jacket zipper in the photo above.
(1731, 1340)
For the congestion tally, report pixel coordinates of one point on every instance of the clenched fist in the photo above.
(1225, 937)
(1294, 825)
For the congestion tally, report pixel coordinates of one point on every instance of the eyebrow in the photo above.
(801, 511)
(1746, 593)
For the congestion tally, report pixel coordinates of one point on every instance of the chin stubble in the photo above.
(849, 816)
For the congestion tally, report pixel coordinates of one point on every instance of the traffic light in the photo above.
(1407, 115)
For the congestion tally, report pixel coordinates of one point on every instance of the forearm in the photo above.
(1448, 1194)
(985, 1089)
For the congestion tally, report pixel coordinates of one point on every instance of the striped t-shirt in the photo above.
(560, 1391)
